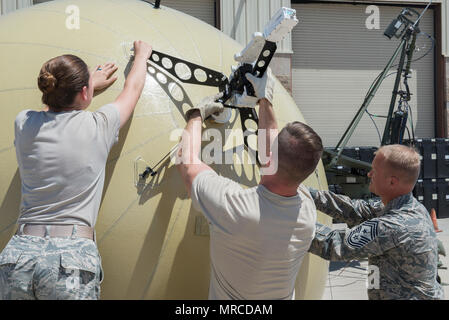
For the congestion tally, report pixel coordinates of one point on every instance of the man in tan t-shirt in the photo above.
(259, 235)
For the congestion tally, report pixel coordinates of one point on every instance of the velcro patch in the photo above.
(362, 235)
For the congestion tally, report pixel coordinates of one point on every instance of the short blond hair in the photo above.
(405, 161)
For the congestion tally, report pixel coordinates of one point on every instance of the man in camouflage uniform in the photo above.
(395, 234)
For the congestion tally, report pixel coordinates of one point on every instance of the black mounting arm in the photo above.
(188, 72)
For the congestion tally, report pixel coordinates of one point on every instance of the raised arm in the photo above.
(127, 99)
(268, 128)
(352, 212)
(189, 163)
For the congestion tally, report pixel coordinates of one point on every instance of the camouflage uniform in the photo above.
(399, 241)
(50, 269)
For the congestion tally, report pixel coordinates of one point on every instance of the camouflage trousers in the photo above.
(50, 269)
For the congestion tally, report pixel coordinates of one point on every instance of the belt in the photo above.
(56, 231)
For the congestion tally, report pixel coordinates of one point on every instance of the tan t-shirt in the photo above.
(62, 159)
(257, 238)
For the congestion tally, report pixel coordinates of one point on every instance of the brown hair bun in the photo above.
(46, 82)
(61, 79)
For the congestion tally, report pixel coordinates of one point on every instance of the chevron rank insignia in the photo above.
(362, 235)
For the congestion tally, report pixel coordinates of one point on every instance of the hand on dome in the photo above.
(102, 76)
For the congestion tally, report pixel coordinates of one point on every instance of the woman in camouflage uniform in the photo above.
(62, 153)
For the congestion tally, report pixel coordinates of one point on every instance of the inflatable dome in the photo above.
(153, 243)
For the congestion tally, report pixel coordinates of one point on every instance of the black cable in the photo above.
(411, 120)
(408, 133)
(375, 80)
(371, 114)
(374, 115)
(428, 51)
(409, 110)
(375, 125)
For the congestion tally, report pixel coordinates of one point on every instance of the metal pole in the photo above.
(386, 136)
(349, 131)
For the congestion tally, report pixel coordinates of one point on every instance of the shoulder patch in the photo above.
(362, 235)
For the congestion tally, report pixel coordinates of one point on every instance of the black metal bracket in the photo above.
(188, 72)
(148, 171)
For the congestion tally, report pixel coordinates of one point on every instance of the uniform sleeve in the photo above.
(108, 121)
(371, 238)
(352, 212)
(210, 194)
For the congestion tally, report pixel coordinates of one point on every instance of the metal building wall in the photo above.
(7, 6)
(445, 28)
(444, 15)
(241, 18)
(337, 58)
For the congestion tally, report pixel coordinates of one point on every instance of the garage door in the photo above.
(201, 9)
(336, 58)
